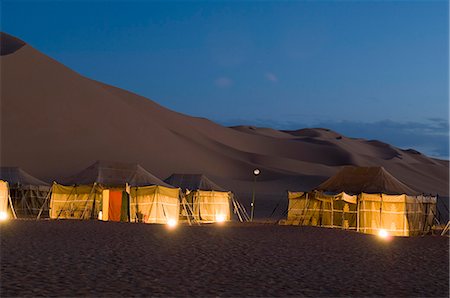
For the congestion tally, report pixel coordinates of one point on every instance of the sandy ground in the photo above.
(73, 258)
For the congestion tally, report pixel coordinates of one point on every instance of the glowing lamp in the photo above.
(171, 223)
(3, 215)
(256, 172)
(100, 215)
(220, 218)
(383, 234)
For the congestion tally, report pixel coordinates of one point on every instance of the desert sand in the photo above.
(74, 258)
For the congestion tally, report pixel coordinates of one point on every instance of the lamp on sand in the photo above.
(256, 172)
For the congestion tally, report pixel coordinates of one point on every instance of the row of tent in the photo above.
(364, 199)
(120, 192)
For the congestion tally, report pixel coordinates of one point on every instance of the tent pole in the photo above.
(357, 212)
(243, 210)
(236, 211)
(45, 201)
(381, 211)
(183, 202)
(71, 192)
(11, 205)
(87, 201)
(332, 212)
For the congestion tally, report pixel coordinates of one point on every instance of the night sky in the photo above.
(377, 70)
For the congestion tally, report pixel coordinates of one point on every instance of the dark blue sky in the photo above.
(367, 69)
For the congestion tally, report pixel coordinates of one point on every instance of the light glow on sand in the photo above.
(220, 218)
(383, 234)
(172, 223)
(3, 216)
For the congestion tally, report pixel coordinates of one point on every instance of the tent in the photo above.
(205, 200)
(75, 202)
(28, 193)
(154, 204)
(5, 201)
(325, 210)
(113, 174)
(103, 191)
(366, 199)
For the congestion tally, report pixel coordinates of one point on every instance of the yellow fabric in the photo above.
(369, 213)
(4, 192)
(105, 204)
(393, 215)
(154, 204)
(319, 209)
(75, 202)
(209, 206)
(399, 215)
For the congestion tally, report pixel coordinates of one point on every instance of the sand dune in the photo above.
(73, 258)
(55, 122)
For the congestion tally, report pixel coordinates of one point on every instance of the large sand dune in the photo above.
(55, 122)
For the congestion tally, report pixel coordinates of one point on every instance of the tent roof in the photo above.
(115, 174)
(193, 182)
(356, 180)
(17, 176)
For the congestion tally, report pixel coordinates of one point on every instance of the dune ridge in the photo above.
(55, 122)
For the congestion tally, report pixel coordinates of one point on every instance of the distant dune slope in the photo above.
(55, 122)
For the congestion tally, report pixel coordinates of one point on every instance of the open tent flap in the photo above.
(154, 204)
(211, 206)
(75, 202)
(112, 204)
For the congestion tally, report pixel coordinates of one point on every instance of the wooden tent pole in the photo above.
(332, 212)
(11, 204)
(358, 201)
(71, 192)
(87, 201)
(381, 210)
(243, 210)
(446, 228)
(183, 202)
(45, 201)
(236, 210)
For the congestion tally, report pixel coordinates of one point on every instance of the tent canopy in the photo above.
(356, 180)
(115, 174)
(17, 176)
(193, 182)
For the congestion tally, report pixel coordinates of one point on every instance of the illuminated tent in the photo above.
(27, 192)
(154, 204)
(206, 201)
(5, 201)
(325, 210)
(102, 191)
(366, 199)
(75, 202)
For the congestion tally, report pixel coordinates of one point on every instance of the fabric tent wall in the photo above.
(319, 209)
(210, 206)
(399, 215)
(28, 193)
(154, 204)
(4, 193)
(75, 202)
